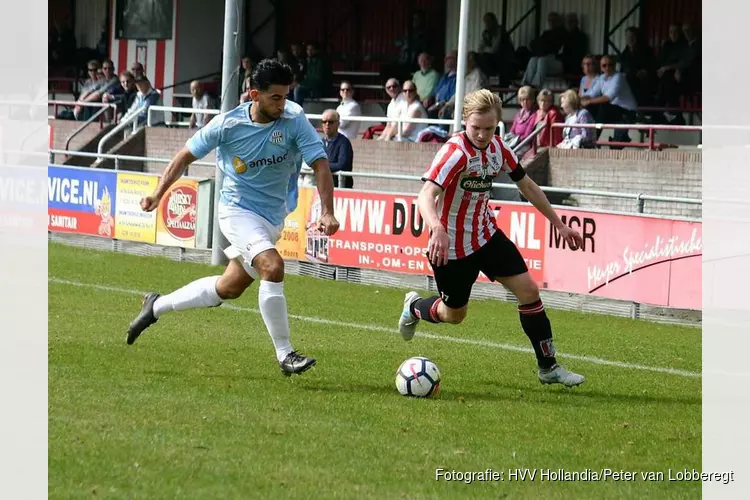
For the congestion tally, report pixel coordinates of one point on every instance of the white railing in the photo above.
(639, 198)
(124, 123)
(316, 116)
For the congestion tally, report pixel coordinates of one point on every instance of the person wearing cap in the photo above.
(147, 96)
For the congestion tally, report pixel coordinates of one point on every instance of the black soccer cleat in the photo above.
(296, 363)
(144, 319)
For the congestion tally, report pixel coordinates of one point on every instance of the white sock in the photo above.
(199, 293)
(272, 304)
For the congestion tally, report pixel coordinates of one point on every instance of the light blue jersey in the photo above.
(260, 161)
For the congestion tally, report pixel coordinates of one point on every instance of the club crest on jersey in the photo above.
(239, 166)
(277, 137)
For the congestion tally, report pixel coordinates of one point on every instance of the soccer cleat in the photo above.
(144, 319)
(296, 363)
(407, 323)
(559, 375)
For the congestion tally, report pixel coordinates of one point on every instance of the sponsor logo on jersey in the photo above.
(476, 184)
(239, 166)
(265, 162)
(277, 137)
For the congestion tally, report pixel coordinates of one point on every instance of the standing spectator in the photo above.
(446, 86)
(575, 137)
(475, 79)
(125, 96)
(496, 50)
(546, 115)
(590, 74)
(318, 76)
(576, 44)
(689, 70)
(393, 89)
(672, 53)
(147, 96)
(637, 63)
(246, 90)
(338, 148)
(426, 78)
(246, 69)
(416, 41)
(348, 107)
(611, 100)
(201, 100)
(546, 48)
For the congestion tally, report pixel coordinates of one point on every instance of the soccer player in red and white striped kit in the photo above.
(464, 237)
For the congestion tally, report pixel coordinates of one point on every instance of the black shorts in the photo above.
(498, 258)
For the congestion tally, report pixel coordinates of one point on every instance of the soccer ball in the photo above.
(418, 377)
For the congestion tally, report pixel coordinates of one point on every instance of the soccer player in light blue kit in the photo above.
(259, 147)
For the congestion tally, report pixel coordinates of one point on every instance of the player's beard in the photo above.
(268, 115)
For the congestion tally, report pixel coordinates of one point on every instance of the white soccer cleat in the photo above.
(407, 323)
(559, 375)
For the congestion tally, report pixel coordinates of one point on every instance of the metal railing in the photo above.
(652, 129)
(118, 158)
(56, 104)
(177, 109)
(88, 122)
(124, 123)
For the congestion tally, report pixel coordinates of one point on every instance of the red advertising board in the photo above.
(628, 257)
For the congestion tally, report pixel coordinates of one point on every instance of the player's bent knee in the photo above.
(228, 288)
(270, 266)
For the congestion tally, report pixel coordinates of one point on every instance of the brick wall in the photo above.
(665, 173)
(62, 129)
(133, 145)
(162, 142)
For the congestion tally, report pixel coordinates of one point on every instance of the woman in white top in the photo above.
(412, 108)
(348, 107)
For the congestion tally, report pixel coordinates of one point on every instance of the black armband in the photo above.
(518, 173)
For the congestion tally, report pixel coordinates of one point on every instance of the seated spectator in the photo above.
(611, 100)
(546, 115)
(245, 70)
(524, 121)
(318, 76)
(575, 137)
(125, 96)
(147, 96)
(426, 78)
(90, 86)
(576, 44)
(201, 100)
(388, 131)
(637, 63)
(137, 69)
(338, 148)
(246, 90)
(590, 74)
(475, 79)
(545, 61)
(496, 51)
(672, 54)
(446, 86)
(411, 107)
(348, 107)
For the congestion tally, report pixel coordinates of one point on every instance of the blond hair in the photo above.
(482, 101)
(572, 97)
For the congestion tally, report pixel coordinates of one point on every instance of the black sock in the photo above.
(537, 327)
(426, 309)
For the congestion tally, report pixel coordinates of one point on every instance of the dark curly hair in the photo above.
(270, 72)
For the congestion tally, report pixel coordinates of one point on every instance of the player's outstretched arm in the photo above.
(532, 192)
(324, 180)
(174, 171)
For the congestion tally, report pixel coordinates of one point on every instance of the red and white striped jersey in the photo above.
(466, 174)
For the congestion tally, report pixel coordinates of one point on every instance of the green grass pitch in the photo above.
(197, 407)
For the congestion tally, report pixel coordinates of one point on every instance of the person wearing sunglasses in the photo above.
(348, 107)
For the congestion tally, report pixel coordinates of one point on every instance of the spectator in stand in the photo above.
(412, 108)
(475, 79)
(446, 86)
(286, 57)
(106, 82)
(246, 69)
(523, 122)
(246, 90)
(546, 115)
(338, 147)
(125, 96)
(545, 50)
(426, 78)
(201, 100)
(576, 44)
(575, 137)
(611, 100)
(137, 69)
(318, 76)
(689, 71)
(496, 50)
(416, 41)
(299, 56)
(672, 54)
(393, 89)
(638, 64)
(348, 107)
(590, 74)
(89, 86)
(147, 96)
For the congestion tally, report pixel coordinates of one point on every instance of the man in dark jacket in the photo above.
(338, 148)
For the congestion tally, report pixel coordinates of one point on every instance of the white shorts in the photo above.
(248, 234)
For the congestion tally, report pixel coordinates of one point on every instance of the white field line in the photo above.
(433, 336)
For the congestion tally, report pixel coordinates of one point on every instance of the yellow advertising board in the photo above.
(131, 222)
